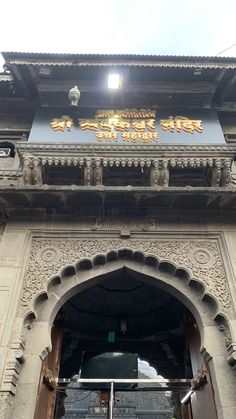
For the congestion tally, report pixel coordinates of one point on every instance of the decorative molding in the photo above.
(6, 401)
(121, 62)
(168, 148)
(227, 336)
(219, 167)
(10, 173)
(11, 374)
(15, 358)
(201, 257)
(48, 378)
(199, 379)
(119, 223)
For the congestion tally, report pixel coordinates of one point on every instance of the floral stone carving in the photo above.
(201, 257)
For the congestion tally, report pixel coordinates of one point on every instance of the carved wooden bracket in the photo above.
(220, 168)
(199, 379)
(49, 379)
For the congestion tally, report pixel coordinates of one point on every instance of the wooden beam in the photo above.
(225, 107)
(126, 100)
(19, 79)
(219, 77)
(168, 87)
(227, 89)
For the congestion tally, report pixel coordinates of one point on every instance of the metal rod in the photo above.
(137, 389)
(126, 380)
(111, 401)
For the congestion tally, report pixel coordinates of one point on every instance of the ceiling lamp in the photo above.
(114, 81)
(123, 326)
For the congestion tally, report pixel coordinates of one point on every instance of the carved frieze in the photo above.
(6, 402)
(200, 256)
(93, 167)
(131, 223)
(10, 378)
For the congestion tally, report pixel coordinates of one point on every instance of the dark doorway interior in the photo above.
(140, 317)
(123, 312)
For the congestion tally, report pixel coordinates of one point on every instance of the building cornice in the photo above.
(123, 63)
(137, 60)
(43, 148)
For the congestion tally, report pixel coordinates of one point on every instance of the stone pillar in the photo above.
(164, 173)
(216, 173)
(155, 173)
(88, 173)
(223, 379)
(37, 172)
(225, 178)
(12, 250)
(36, 350)
(98, 172)
(27, 170)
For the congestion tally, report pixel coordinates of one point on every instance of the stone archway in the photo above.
(168, 275)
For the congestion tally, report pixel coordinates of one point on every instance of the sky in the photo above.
(159, 27)
(146, 369)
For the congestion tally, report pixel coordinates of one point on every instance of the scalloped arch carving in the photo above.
(165, 274)
(58, 269)
(197, 260)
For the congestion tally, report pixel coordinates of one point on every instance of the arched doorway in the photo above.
(170, 283)
(125, 316)
(124, 312)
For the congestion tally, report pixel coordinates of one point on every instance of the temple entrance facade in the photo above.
(123, 313)
(75, 270)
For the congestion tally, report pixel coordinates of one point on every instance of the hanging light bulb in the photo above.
(123, 326)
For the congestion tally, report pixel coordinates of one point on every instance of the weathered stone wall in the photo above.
(32, 252)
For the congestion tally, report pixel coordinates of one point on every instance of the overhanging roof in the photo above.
(118, 59)
(149, 80)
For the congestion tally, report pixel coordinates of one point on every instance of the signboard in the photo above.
(127, 126)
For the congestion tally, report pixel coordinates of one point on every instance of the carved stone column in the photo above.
(155, 173)
(98, 172)
(27, 170)
(164, 173)
(216, 173)
(10, 379)
(88, 172)
(37, 171)
(225, 178)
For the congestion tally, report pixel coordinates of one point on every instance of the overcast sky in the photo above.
(166, 27)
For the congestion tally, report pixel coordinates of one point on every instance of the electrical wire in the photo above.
(79, 400)
(62, 389)
(226, 49)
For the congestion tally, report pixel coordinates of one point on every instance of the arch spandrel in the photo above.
(161, 267)
(200, 260)
(192, 267)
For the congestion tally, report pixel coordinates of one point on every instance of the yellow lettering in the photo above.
(181, 123)
(144, 137)
(88, 124)
(60, 124)
(168, 124)
(121, 126)
(139, 126)
(105, 126)
(150, 124)
(107, 136)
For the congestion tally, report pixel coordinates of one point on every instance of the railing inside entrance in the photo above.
(126, 398)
